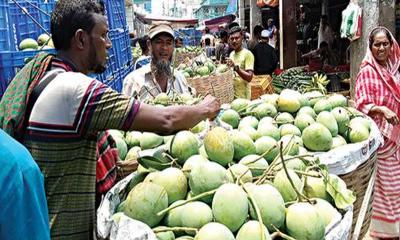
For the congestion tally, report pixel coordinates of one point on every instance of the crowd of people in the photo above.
(53, 117)
(246, 57)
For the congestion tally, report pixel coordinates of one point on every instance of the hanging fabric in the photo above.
(268, 3)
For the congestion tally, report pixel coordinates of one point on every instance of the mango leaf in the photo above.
(154, 158)
(337, 188)
(138, 178)
(248, 111)
(170, 143)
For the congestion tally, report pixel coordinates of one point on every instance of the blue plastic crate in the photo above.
(125, 70)
(190, 36)
(22, 22)
(119, 62)
(11, 62)
(115, 10)
(23, 19)
(191, 41)
(112, 68)
(124, 54)
(121, 46)
(27, 19)
(4, 26)
(45, 14)
(111, 76)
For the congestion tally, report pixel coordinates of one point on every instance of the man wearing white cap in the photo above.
(265, 59)
(158, 76)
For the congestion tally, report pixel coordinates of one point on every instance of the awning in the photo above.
(214, 23)
(175, 22)
(220, 20)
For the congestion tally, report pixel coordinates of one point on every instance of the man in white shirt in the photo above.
(209, 36)
(158, 76)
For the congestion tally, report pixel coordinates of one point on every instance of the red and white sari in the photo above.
(377, 85)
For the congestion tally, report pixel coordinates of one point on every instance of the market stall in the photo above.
(299, 78)
(303, 26)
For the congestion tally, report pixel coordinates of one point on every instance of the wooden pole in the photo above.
(287, 30)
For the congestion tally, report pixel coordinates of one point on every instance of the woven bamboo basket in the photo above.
(220, 86)
(260, 85)
(184, 57)
(361, 181)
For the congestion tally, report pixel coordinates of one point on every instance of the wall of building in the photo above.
(134, 25)
(211, 9)
(177, 8)
(130, 17)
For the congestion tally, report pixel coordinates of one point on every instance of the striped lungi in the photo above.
(385, 221)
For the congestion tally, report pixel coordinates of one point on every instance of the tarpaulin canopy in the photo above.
(175, 22)
(214, 23)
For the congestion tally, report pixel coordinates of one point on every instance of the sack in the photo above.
(351, 26)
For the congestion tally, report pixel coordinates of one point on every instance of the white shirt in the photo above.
(142, 85)
(211, 37)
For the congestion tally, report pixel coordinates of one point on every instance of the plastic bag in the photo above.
(338, 230)
(351, 26)
(122, 228)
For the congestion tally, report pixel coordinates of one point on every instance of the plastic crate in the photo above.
(119, 62)
(21, 22)
(23, 19)
(191, 41)
(115, 10)
(11, 62)
(122, 47)
(45, 14)
(111, 76)
(4, 26)
(190, 36)
(125, 70)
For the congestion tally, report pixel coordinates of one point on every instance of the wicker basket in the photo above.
(361, 182)
(184, 57)
(260, 85)
(220, 86)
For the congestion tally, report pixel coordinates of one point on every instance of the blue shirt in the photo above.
(23, 206)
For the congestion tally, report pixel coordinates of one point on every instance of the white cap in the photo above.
(265, 34)
(160, 27)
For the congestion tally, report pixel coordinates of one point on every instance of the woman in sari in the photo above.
(377, 94)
